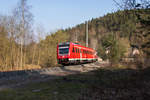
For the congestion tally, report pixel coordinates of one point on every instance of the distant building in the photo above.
(107, 50)
(135, 50)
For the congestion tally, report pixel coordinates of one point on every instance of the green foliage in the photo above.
(108, 40)
(116, 52)
(113, 47)
(131, 25)
(101, 52)
(144, 18)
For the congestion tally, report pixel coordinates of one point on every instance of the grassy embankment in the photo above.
(106, 83)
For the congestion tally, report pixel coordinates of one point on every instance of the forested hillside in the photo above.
(117, 32)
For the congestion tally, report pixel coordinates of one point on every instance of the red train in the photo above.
(73, 53)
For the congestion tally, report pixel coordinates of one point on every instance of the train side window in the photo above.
(73, 50)
(76, 50)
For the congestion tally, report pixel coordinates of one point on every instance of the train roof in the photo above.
(63, 43)
(77, 44)
(82, 46)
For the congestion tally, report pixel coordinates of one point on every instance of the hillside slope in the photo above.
(131, 27)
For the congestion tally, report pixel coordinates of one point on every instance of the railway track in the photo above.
(18, 78)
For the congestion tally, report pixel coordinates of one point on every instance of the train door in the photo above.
(73, 54)
(80, 54)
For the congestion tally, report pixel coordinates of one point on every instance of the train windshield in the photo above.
(63, 49)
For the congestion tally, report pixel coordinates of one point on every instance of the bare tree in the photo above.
(132, 4)
(11, 31)
(40, 32)
(24, 20)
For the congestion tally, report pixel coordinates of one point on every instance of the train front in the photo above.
(63, 53)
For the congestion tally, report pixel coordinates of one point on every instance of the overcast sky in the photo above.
(56, 14)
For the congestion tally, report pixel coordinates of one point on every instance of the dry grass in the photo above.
(26, 67)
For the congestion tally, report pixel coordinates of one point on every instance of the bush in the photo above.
(115, 46)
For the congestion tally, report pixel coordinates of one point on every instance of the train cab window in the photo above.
(76, 50)
(63, 48)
